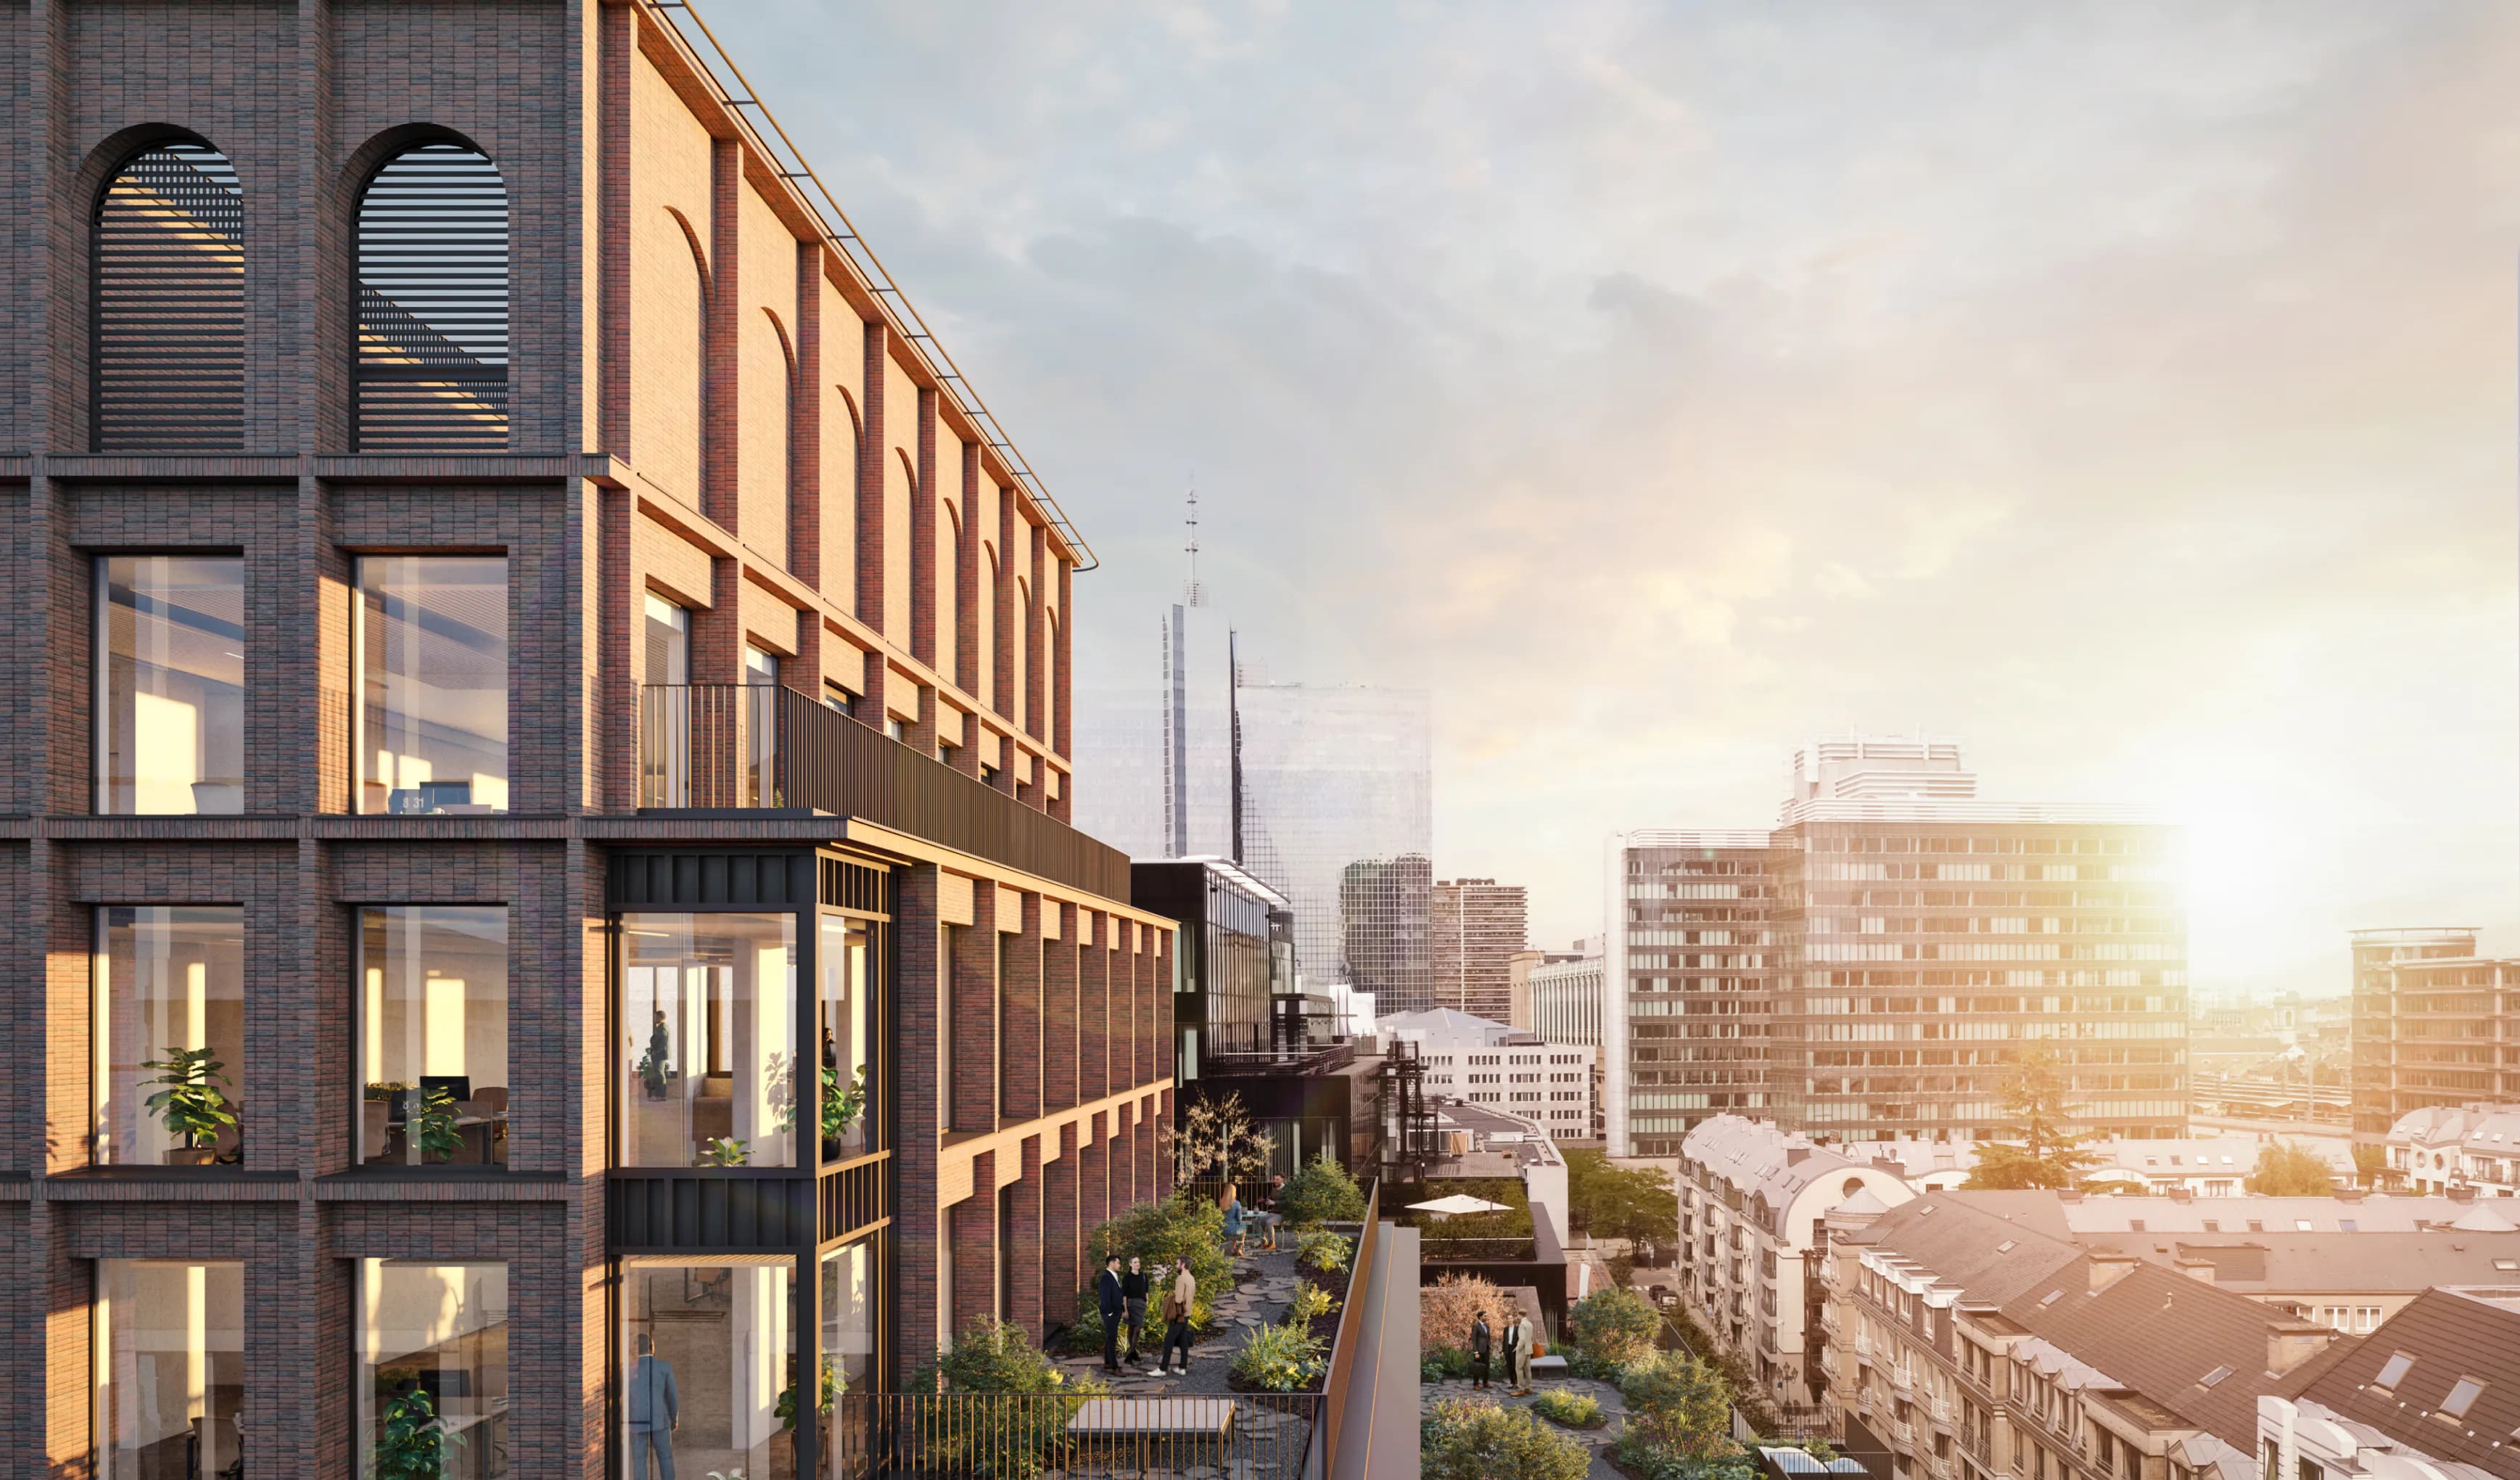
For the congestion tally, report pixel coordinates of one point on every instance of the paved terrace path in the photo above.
(1264, 1286)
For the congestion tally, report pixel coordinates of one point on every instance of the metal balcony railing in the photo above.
(742, 746)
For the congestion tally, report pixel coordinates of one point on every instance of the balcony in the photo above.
(764, 747)
(1939, 1414)
(1901, 1435)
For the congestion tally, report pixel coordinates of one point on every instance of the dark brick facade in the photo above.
(594, 506)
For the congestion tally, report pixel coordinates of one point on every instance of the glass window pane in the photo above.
(669, 642)
(707, 1352)
(432, 707)
(849, 1285)
(432, 1369)
(169, 1026)
(433, 1035)
(847, 1032)
(169, 684)
(169, 1368)
(709, 1072)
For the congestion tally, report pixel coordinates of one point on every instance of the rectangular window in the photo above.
(845, 960)
(758, 745)
(169, 1368)
(710, 1062)
(430, 717)
(707, 1352)
(432, 1031)
(851, 1278)
(169, 684)
(432, 1348)
(169, 1028)
(664, 715)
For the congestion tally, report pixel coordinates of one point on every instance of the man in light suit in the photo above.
(654, 1413)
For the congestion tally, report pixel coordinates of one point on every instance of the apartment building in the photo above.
(2201, 1166)
(2471, 1146)
(1478, 1063)
(1566, 995)
(1475, 928)
(2436, 1392)
(1753, 1207)
(1876, 965)
(538, 792)
(2432, 1030)
(1962, 1345)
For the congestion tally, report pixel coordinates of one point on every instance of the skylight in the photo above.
(2214, 1376)
(2393, 1371)
(2006, 1247)
(2303, 1224)
(2461, 1394)
(2051, 1298)
(2346, 1224)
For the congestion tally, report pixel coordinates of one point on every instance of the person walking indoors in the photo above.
(1133, 1292)
(1234, 1218)
(1481, 1349)
(1517, 1346)
(1115, 1309)
(654, 1412)
(1177, 1307)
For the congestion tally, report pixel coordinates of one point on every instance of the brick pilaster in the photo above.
(973, 1032)
(1063, 1270)
(720, 407)
(1094, 1011)
(917, 1109)
(1026, 1252)
(870, 460)
(966, 574)
(1020, 995)
(975, 1245)
(924, 500)
(1094, 1182)
(1061, 968)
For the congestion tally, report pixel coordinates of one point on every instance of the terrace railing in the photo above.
(741, 746)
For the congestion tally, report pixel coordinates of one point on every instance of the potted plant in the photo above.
(412, 1444)
(841, 1109)
(433, 1127)
(726, 1152)
(188, 1105)
(392, 1095)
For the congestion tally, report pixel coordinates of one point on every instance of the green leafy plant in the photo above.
(1611, 1201)
(726, 1152)
(1571, 1409)
(1277, 1358)
(834, 1383)
(433, 1127)
(1439, 1363)
(1614, 1326)
(188, 1105)
(411, 1443)
(842, 1107)
(388, 1090)
(1217, 1135)
(1445, 1309)
(1320, 1191)
(1011, 1439)
(1476, 1439)
(1327, 1253)
(1311, 1301)
(1679, 1414)
(2036, 1149)
(1187, 1226)
(2290, 1170)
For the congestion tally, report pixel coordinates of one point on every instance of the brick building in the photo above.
(530, 650)
(1475, 926)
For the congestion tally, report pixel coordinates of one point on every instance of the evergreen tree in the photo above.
(2035, 1149)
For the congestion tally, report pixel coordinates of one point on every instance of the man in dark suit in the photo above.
(1482, 1347)
(654, 1412)
(1115, 1310)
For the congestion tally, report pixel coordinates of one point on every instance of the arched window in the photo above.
(166, 361)
(431, 354)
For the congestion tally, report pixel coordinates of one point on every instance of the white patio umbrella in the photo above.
(1458, 1203)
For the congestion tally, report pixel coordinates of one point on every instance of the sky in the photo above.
(2127, 390)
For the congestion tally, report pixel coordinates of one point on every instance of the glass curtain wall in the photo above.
(848, 1025)
(851, 1278)
(169, 684)
(168, 1034)
(708, 1358)
(431, 718)
(432, 1351)
(169, 1368)
(709, 1048)
(433, 1035)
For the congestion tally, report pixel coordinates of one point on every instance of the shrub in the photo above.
(1183, 1226)
(1327, 1253)
(1310, 1301)
(1474, 1439)
(1277, 1359)
(1573, 1409)
(1679, 1412)
(1442, 1362)
(1320, 1191)
(993, 1356)
(1444, 1310)
(1614, 1326)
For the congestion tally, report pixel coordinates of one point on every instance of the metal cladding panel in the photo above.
(698, 1213)
(696, 879)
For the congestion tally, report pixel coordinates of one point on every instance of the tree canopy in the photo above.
(2286, 1169)
(1620, 1202)
(2035, 1149)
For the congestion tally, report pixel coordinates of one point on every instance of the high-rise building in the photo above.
(1337, 809)
(538, 758)
(1476, 927)
(1877, 964)
(1566, 997)
(2380, 1034)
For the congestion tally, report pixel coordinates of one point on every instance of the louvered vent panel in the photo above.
(432, 332)
(168, 360)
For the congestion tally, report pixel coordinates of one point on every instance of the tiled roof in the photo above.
(2262, 1264)
(2451, 1333)
(1988, 1259)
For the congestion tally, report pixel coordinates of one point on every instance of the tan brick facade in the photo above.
(705, 401)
